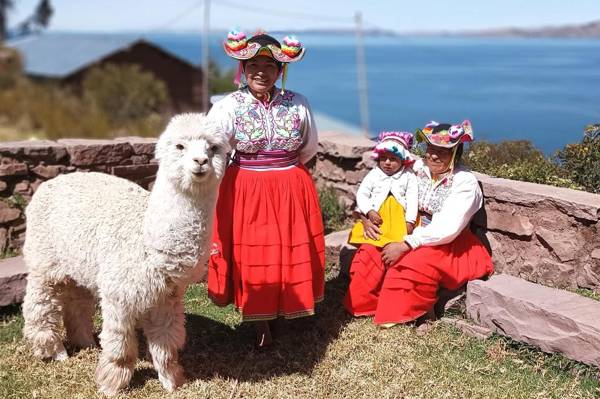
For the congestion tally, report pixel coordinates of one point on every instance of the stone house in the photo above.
(67, 58)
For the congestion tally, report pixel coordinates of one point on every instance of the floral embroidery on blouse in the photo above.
(432, 196)
(276, 126)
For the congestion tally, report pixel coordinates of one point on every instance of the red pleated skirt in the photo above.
(268, 250)
(408, 289)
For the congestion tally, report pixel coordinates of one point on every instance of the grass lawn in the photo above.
(328, 356)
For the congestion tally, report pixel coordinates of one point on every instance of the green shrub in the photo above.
(334, 215)
(51, 111)
(504, 153)
(517, 160)
(11, 68)
(220, 81)
(581, 161)
(124, 93)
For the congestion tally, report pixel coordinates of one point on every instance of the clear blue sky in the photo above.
(400, 15)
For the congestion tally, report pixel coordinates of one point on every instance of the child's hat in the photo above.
(396, 143)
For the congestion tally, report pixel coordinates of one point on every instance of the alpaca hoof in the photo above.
(112, 376)
(60, 356)
(48, 347)
(173, 381)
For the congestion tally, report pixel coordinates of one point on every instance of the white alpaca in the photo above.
(91, 235)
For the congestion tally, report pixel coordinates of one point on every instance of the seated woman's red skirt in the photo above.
(268, 251)
(408, 288)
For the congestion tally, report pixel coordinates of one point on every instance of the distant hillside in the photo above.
(340, 32)
(588, 30)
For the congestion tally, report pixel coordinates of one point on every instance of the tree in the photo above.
(220, 81)
(5, 7)
(43, 13)
(124, 93)
(40, 19)
(582, 160)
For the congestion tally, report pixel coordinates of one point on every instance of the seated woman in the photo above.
(400, 284)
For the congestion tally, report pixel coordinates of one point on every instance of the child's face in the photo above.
(389, 163)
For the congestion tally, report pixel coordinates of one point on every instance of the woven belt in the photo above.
(266, 159)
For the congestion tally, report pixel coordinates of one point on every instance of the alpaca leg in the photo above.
(78, 313)
(119, 349)
(165, 331)
(42, 314)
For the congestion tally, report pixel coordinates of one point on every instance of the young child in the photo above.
(388, 195)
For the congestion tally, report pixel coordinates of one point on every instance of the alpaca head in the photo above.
(192, 152)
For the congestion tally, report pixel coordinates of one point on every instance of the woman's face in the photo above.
(438, 159)
(261, 73)
(389, 163)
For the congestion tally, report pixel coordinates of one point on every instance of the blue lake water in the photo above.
(543, 90)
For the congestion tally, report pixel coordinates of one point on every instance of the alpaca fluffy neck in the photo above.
(178, 223)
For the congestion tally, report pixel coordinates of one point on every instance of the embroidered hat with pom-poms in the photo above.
(239, 47)
(444, 134)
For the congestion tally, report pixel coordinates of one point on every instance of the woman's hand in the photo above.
(371, 230)
(409, 228)
(393, 251)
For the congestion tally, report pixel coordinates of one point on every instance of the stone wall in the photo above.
(543, 234)
(25, 165)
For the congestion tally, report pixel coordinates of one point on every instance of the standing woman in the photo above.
(400, 283)
(268, 245)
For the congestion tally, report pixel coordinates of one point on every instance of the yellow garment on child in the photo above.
(393, 228)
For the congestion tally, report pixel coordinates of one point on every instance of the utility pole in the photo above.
(205, 56)
(361, 73)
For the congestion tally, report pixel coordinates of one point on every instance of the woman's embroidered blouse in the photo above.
(286, 123)
(452, 202)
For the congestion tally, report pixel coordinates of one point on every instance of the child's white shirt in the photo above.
(376, 186)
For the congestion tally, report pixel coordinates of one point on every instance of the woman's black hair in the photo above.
(264, 39)
(459, 153)
(441, 127)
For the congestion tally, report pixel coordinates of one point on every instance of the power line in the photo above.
(180, 16)
(284, 13)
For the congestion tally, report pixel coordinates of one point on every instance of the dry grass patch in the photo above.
(328, 356)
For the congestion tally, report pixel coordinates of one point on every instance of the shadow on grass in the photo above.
(9, 311)
(11, 323)
(214, 349)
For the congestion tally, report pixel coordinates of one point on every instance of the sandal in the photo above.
(263, 335)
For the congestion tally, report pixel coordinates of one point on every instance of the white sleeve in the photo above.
(412, 197)
(222, 113)
(462, 203)
(310, 137)
(364, 201)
